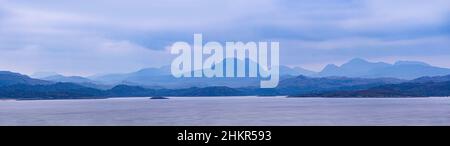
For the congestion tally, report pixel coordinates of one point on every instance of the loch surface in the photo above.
(246, 111)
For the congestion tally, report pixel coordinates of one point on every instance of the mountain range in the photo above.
(413, 88)
(401, 70)
(356, 78)
(162, 78)
(303, 84)
(11, 78)
(355, 68)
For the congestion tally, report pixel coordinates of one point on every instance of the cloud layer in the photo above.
(99, 36)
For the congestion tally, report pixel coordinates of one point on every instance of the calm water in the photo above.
(228, 111)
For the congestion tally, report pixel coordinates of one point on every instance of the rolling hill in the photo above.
(11, 78)
(409, 89)
(401, 70)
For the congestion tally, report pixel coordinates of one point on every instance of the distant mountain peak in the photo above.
(357, 60)
(303, 71)
(401, 69)
(8, 72)
(40, 75)
(11, 78)
(68, 79)
(331, 66)
(411, 63)
(153, 71)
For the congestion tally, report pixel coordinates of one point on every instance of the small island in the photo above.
(158, 97)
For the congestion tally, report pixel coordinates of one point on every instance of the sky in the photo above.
(87, 37)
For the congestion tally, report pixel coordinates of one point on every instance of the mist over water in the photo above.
(247, 111)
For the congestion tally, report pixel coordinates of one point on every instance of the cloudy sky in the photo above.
(101, 36)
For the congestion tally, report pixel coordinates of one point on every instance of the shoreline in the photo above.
(174, 97)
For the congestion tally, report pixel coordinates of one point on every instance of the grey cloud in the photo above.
(310, 31)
